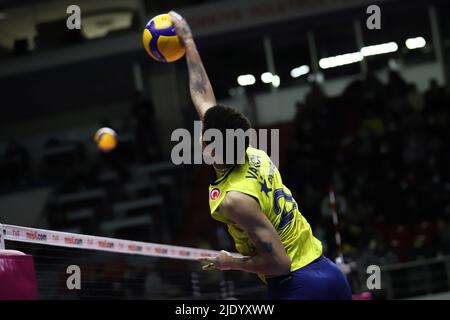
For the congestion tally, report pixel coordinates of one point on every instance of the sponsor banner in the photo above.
(230, 16)
(80, 241)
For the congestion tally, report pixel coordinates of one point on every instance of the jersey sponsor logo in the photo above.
(261, 173)
(214, 194)
(255, 164)
(255, 160)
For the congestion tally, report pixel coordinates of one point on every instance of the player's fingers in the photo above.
(207, 261)
(209, 266)
(175, 16)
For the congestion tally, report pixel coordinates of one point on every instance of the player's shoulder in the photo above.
(258, 157)
(235, 201)
(254, 152)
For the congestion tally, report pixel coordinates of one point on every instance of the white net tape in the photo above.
(80, 241)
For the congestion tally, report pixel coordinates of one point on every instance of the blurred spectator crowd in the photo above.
(124, 193)
(385, 150)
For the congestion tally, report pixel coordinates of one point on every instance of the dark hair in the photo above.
(222, 117)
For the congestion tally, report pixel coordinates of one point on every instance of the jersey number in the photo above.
(286, 216)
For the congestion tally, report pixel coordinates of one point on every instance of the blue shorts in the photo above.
(319, 280)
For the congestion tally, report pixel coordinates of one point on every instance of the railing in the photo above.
(412, 279)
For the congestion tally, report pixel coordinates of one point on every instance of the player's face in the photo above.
(209, 153)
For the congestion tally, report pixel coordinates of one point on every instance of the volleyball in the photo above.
(160, 40)
(106, 139)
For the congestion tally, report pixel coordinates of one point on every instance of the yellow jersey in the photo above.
(260, 178)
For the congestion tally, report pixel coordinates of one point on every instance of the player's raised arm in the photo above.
(202, 93)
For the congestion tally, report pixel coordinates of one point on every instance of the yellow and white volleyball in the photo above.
(160, 40)
(106, 139)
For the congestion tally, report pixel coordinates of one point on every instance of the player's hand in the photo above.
(182, 28)
(223, 261)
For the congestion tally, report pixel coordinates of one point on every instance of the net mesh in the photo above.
(111, 275)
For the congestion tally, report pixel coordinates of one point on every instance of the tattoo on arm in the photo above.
(198, 78)
(185, 31)
(265, 247)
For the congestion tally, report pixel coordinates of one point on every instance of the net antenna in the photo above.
(2, 238)
(337, 234)
(346, 268)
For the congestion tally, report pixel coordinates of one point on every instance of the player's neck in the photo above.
(222, 169)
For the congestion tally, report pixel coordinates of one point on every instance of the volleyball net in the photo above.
(78, 266)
